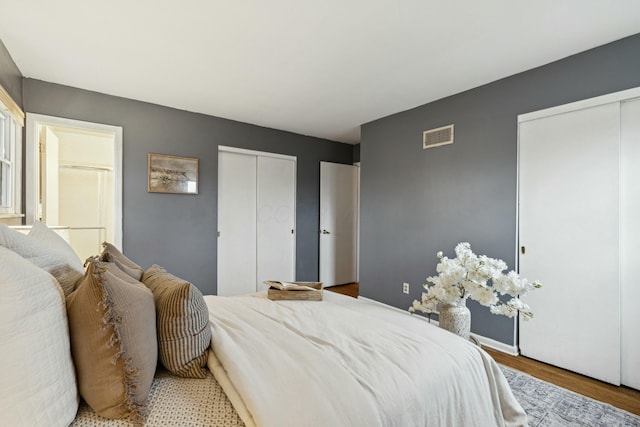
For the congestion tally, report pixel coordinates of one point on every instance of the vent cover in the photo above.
(437, 137)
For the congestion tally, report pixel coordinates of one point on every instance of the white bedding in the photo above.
(348, 362)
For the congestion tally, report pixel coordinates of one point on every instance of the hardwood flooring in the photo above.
(350, 289)
(621, 397)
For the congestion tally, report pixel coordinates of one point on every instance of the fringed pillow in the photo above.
(184, 334)
(113, 254)
(113, 341)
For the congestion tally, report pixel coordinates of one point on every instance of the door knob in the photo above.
(325, 231)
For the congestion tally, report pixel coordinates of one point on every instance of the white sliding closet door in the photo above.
(569, 221)
(256, 220)
(276, 220)
(236, 223)
(630, 242)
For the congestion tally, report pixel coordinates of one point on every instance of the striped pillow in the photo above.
(184, 335)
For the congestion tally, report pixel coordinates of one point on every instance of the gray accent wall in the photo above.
(416, 202)
(10, 75)
(175, 231)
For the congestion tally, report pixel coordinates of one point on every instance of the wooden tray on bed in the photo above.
(294, 295)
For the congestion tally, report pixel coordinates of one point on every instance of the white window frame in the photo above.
(12, 132)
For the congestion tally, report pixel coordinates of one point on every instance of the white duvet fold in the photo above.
(347, 362)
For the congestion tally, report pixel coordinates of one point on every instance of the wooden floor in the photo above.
(621, 397)
(351, 289)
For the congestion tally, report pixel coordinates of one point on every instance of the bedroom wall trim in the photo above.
(256, 153)
(582, 104)
(11, 105)
(487, 342)
(497, 345)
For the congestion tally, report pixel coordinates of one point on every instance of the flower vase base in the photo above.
(456, 319)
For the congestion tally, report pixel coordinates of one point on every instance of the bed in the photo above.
(337, 362)
(346, 361)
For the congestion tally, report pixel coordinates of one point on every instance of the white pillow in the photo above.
(55, 241)
(47, 254)
(38, 376)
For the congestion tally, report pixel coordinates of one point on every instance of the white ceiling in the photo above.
(314, 67)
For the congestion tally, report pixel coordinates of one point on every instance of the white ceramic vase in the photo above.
(456, 319)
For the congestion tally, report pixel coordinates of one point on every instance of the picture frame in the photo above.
(172, 174)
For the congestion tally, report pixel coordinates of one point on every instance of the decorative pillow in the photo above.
(113, 341)
(113, 254)
(52, 239)
(46, 253)
(184, 334)
(38, 378)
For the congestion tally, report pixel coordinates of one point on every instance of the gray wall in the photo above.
(179, 231)
(10, 75)
(415, 203)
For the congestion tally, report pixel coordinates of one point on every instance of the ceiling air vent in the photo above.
(437, 137)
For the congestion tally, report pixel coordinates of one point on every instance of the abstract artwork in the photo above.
(172, 174)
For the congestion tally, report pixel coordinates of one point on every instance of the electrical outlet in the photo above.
(405, 288)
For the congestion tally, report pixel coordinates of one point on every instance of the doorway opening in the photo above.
(339, 219)
(74, 180)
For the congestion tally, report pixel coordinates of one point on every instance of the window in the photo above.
(10, 161)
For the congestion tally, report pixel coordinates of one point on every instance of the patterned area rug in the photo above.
(548, 405)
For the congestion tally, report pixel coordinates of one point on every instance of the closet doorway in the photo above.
(579, 204)
(74, 180)
(256, 219)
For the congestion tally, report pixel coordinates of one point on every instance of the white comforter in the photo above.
(348, 362)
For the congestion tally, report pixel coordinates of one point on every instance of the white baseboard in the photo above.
(487, 342)
(497, 345)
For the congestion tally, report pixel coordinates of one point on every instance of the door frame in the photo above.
(356, 224)
(32, 165)
(617, 98)
(357, 164)
(256, 153)
(551, 111)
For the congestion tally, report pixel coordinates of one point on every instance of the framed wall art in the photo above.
(172, 174)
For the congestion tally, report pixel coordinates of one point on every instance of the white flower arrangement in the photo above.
(467, 276)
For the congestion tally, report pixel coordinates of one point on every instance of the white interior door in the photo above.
(338, 223)
(276, 185)
(630, 243)
(236, 223)
(49, 183)
(569, 228)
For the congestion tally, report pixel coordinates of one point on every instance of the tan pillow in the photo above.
(113, 254)
(113, 341)
(184, 334)
(64, 265)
